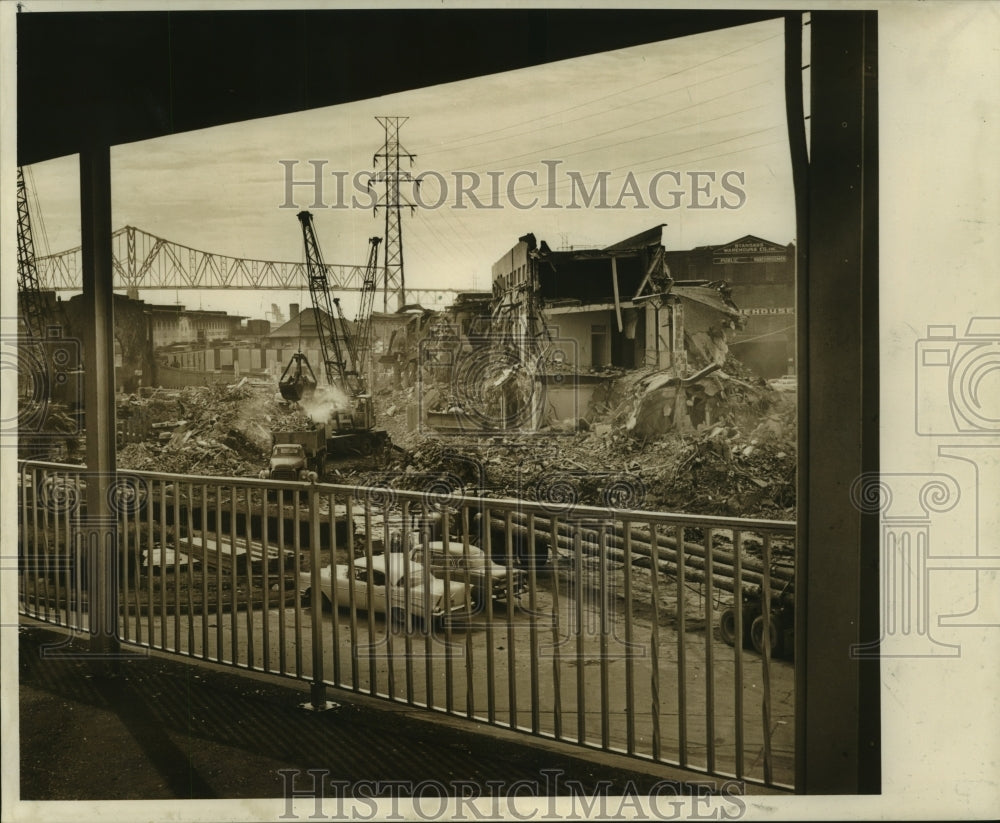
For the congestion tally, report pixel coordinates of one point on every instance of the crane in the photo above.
(363, 323)
(29, 293)
(351, 429)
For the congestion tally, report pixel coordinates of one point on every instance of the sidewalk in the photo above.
(163, 728)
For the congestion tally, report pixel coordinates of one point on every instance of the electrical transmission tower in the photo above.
(392, 201)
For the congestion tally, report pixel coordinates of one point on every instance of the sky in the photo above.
(688, 132)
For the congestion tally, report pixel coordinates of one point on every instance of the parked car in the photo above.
(786, 383)
(472, 566)
(392, 583)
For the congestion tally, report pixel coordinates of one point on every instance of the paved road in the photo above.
(550, 669)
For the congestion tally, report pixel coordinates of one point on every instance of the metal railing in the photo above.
(660, 636)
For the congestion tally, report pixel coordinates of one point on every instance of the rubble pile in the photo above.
(731, 470)
(733, 454)
(739, 459)
(211, 430)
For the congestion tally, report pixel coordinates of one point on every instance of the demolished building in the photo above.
(618, 306)
(565, 324)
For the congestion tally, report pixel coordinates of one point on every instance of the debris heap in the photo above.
(211, 430)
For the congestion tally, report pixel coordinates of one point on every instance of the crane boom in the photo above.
(363, 324)
(350, 430)
(334, 335)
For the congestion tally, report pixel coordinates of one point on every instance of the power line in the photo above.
(631, 125)
(603, 111)
(617, 93)
(638, 166)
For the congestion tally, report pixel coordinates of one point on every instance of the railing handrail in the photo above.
(557, 510)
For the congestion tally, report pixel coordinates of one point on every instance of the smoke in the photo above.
(324, 402)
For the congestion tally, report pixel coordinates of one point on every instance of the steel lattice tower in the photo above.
(29, 293)
(392, 201)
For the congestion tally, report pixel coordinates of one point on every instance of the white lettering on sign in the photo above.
(770, 310)
(768, 258)
(750, 247)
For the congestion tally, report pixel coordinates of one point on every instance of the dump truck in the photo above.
(296, 454)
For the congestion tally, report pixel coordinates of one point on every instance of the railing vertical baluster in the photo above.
(738, 647)
(122, 570)
(31, 546)
(265, 576)
(449, 688)
(428, 611)
(654, 638)
(247, 491)
(41, 544)
(679, 538)
(765, 655)
(203, 532)
(190, 567)
(150, 548)
(220, 646)
(369, 558)
(404, 538)
(61, 558)
(163, 565)
(491, 697)
(318, 689)
(532, 624)
(511, 661)
(352, 594)
(80, 558)
(331, 500)
(556, 623)
(604, 619)
(71, 519)
(234, 622)
(29, 504)
(293, 495)
(470, 701)
(279, 501)
(390, 621)
(36, 551)
(629, 666)
(30, 535)
(177, 564)
(141, 489)
(709, 659)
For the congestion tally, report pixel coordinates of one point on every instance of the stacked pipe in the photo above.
(723, 560)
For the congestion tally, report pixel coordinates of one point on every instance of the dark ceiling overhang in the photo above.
(87, 79)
